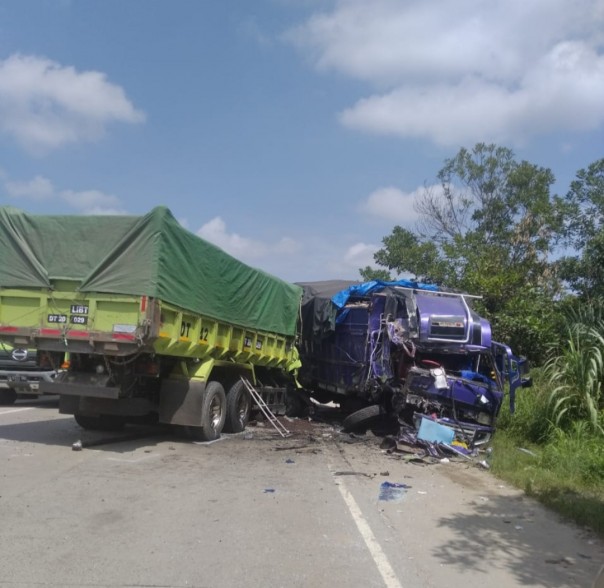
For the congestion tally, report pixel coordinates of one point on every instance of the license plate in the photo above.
(57, 318)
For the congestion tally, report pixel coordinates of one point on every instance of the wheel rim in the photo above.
(243, 407)
(215, 412)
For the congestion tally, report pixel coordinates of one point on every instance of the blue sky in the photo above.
(292, 133)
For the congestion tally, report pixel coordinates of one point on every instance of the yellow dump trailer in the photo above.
(148, 320)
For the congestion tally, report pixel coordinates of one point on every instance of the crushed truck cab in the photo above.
(410, 349)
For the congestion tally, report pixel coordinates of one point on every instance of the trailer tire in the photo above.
(238, 408)
(213, 414)
(363, 419)
(103, 422)
(7, 397)
(295, 406)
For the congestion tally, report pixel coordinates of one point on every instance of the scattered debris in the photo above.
(353, 474)
(433, 432)
(392, 492)
(389, 444)
(565, 561)
(291, 447)
(527, 451)
(269, 490)
(77, 446)
(288, 460)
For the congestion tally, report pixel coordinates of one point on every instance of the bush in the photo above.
(575, 375)
(531, 421)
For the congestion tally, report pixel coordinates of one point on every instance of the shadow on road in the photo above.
(36, 401)
(512, 527)
(64, 431)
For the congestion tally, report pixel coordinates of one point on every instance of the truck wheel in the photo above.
(213, 414)
(362, 419)
(238, 408)
(7, 397)
(103, 422)
(294, 404)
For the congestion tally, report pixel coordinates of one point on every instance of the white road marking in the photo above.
(15, 410)
(379, 557)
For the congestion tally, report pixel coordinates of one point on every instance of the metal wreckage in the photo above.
(410, 353)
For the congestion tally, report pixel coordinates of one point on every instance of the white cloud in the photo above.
(93, 202)
(41, 189)
(467, 70)
(38, 189)
(241, 247)
(286, 245)
(45, 105)
(319, 257)
(393, 204)
(245, 248)
(360, 255)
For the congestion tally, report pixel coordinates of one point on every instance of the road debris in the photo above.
(527, 451)
(392, 492)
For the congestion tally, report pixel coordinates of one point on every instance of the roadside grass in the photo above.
(558, 475)
(561, 468)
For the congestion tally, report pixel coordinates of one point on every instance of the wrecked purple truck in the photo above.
(404, 350)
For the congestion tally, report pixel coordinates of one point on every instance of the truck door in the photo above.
(511, 368)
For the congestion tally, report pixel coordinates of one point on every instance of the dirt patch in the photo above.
(467, 476)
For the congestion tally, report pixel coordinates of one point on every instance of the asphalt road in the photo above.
(147, 508)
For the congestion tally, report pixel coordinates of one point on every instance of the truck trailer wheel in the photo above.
(213, 414)
(363, 419)
(238, 408)
(7, 397)
(294, 404)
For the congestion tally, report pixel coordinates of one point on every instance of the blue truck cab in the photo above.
(409, 348)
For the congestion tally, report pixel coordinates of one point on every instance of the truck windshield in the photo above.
(477, 366)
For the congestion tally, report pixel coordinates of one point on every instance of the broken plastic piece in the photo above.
(434, 432)
(392, 492)
(440, 378)
(527, 451)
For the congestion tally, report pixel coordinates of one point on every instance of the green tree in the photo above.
(489, 227)
(368, 274)
(583, 272)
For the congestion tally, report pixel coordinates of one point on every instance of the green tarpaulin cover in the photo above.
(150, 255)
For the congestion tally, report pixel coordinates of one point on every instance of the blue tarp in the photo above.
(366, 288)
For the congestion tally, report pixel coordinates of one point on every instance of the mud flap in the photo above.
(180, 402)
